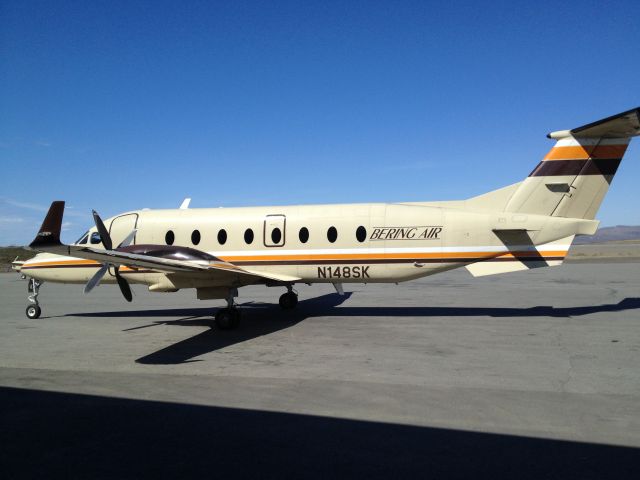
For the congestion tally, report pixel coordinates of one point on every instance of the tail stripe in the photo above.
(598, 166)
(584, 152)
(573, 178)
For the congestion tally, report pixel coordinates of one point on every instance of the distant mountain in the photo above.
(610, 234)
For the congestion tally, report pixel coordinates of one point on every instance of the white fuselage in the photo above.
(357, 243)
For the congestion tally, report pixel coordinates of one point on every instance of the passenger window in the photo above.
(361, 234)
(195, 237)
(332, 234)
(303, 235)
(248, 236)
(169, 238)
(276, 235)
(95, 238)
(222, 236)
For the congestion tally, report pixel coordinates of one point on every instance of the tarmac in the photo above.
(525, 375)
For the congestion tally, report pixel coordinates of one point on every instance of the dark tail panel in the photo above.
(49, 234)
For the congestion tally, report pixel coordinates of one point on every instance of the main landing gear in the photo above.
(289, 300)
(228, 318)
(33, 311)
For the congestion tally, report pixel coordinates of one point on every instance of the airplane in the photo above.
(527, 225)
(16, 265)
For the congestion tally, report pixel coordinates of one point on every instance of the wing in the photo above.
(169, 265)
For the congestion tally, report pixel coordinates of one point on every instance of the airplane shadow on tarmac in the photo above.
(66, 435)
(259, 319)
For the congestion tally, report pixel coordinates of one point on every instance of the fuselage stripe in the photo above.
(462, 257)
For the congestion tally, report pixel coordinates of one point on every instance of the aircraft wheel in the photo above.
(33, 311)
(288, 300)
(227, 318)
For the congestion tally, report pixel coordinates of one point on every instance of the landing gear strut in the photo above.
(228, 318)
(289, 300)
(33, 287)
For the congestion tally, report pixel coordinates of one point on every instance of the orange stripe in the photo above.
(85, 263)
(346, 256)
(88, 263)
(562, 253)
(131, 269)
(383, 256)
(585, 152)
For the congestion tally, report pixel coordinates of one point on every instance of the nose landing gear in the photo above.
(33, 311)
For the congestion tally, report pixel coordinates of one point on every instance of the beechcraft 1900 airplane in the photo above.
(526, 225)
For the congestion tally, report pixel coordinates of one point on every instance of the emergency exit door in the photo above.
(274, 230)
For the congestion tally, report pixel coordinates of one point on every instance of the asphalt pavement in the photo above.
(530, 375)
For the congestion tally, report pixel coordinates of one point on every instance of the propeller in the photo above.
(108, 245)
(102, 230)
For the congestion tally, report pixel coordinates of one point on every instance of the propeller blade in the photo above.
(127, 241)
(102, 230)
(95, 280)
(124, 286)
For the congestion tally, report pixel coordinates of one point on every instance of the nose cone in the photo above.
(16, 265)
(25, 265)
(60, 268)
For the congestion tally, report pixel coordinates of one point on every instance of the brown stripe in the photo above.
(60, 265)
(520, 256)
(609, 151)
(556, 168)
(398, 260)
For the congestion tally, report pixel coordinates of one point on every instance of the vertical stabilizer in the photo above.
(573, 178)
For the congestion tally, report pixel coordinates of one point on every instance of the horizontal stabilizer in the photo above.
(485, 268)
(550, 254)
(622, 125)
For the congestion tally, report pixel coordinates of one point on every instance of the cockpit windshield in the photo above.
(93, 239)
(83, 239)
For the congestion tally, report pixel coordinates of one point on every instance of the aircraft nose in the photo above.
(35, 259)
(22, 265)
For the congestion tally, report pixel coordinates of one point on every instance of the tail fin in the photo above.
(573, 178)
(49, 234)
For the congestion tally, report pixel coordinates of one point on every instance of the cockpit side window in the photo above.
(95, 238)
(83, 239)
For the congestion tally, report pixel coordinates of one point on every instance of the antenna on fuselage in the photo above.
(185, 204)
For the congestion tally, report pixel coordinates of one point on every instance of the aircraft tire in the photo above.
(227, 318)
(288, 300)
(33, 311)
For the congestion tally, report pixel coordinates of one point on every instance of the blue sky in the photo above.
(123, 105)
